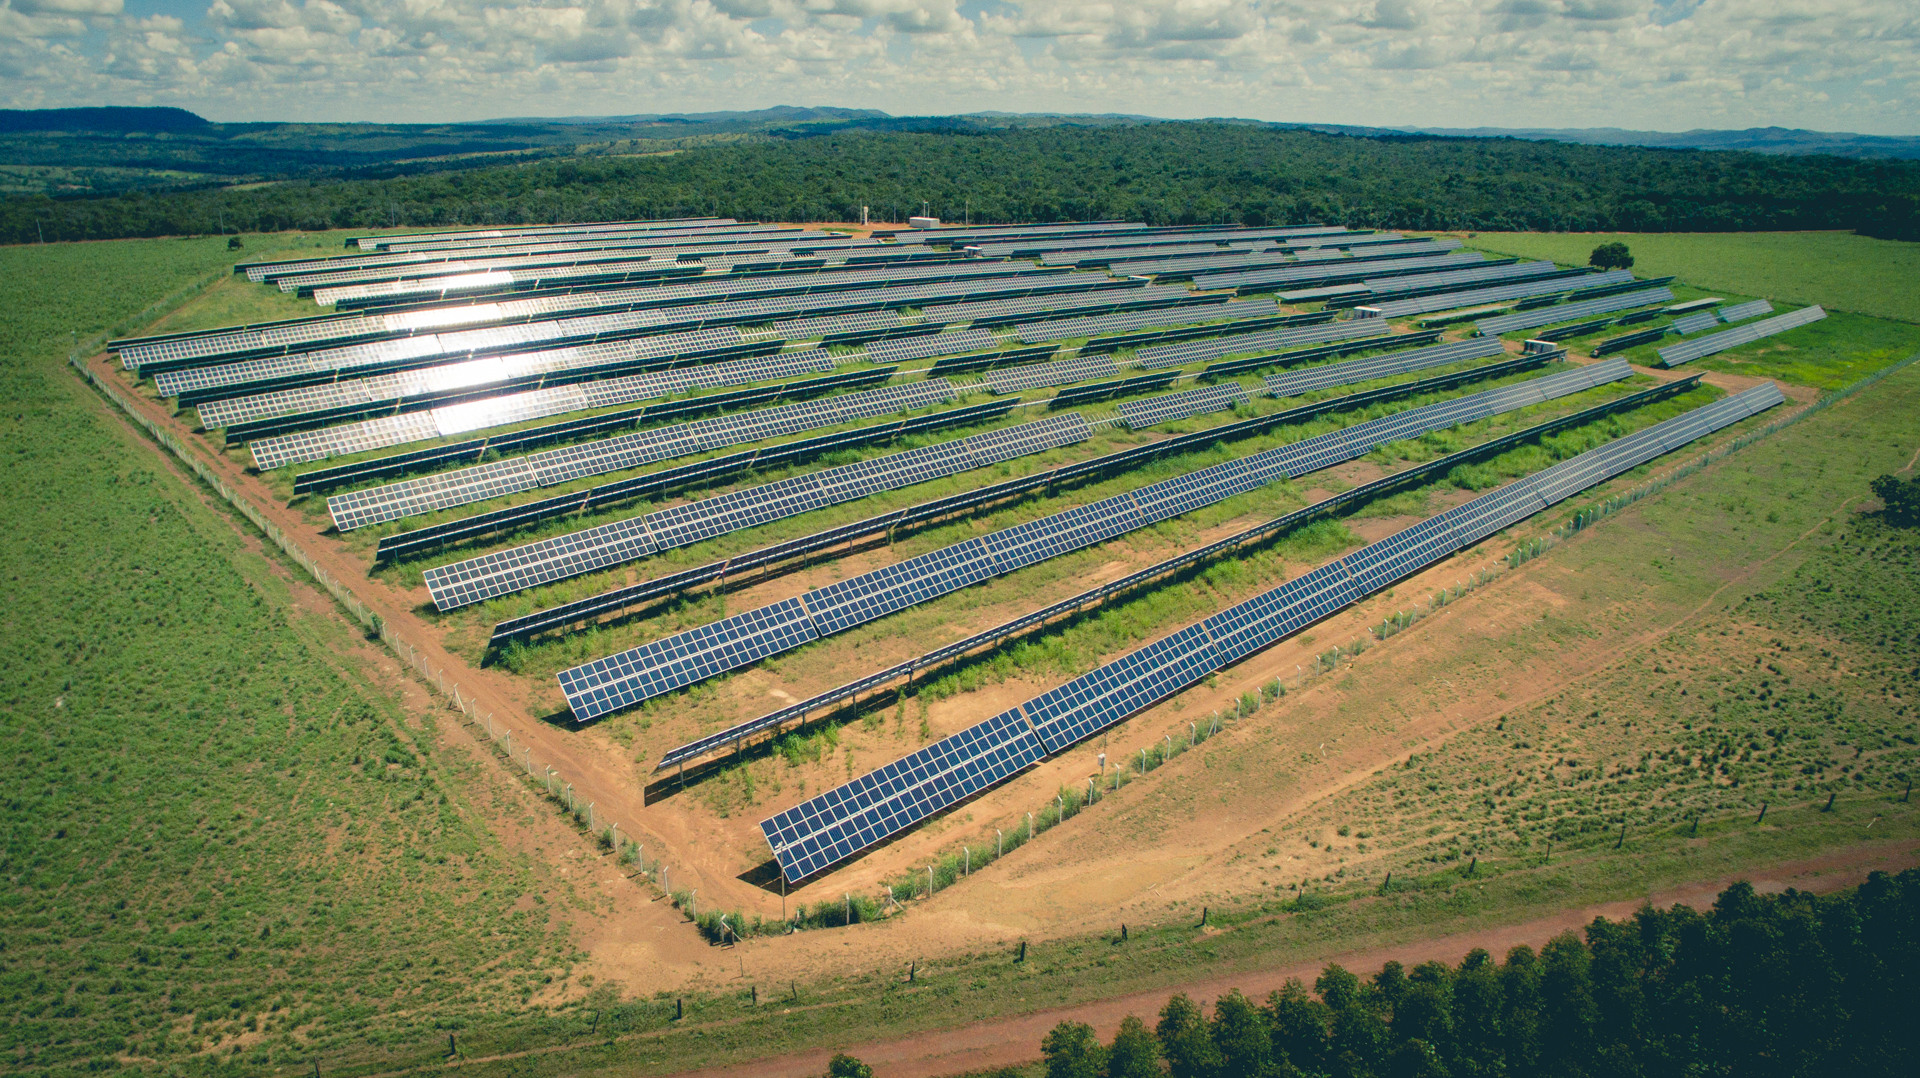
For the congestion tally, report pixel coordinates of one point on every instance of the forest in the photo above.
(1758, 986)
(1164, 173)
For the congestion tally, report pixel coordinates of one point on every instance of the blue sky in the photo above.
(1653, 64)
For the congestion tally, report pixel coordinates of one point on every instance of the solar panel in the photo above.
(452, 377)
(1395, 308)
(1140, 414)
(1695, 322)
(563, 465)
(900, 349)
(1119, 387)
(1336, 270)
(1740, 312)
(1568, 312)
(830, 828)
(1387, 286)
(1057, 373)
(872, 595)
(1113, 296)
(834, 825)
(1094, 325)
(1179, 354)
(1113, 691)
(604, 686)
(476, 579)
(1688, 351)
(509, 408)
(1307, 379)
(534, 318)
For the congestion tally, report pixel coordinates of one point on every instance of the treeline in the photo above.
(1163, 173)
(1759, 986)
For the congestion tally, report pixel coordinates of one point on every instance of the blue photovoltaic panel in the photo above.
(1447, 301)
(1057, 373)
(548, 560)
(1688, 351)
(871, 595)
(610, 684)
(1740, 312)
(1695, 322)
(1181, 353)
(838, 824)
(1037, 540)
(1568, 312)
(1307, 379)
(1118, 689)
(1187, 402)
(1061, 329)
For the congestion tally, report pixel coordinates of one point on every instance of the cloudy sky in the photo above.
(1658, 64)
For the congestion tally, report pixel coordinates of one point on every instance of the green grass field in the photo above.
(225, 848)
(230, 852)
(1839, 270)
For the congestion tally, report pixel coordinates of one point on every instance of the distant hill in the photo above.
(110, 119)
(94, 151)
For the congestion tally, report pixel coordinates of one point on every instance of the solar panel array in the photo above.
(485, 577)
(1568, 312)
(1695, 322)
(1118, 295)
(1395, 308)
(621, 680)
(580, 360)
(835, 825)
(1160, 356)
(1308, 379)
(1740, 312)
(1094, 325)
(898, 349)
(1687, 351)
(1334, 270)
(832, 325)
(448, 420)
(1145, 413)
(1057, 373)
(1387, 286)
(516, 317)
(499, 478)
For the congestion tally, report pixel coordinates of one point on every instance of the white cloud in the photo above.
(1631, 63)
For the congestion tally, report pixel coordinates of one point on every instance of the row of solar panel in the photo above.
(941, 508)
(1061, 329)
(640, 673)
(833, 826)
(1688, 351)
(1325, 376)
(446, 421)
(495, 479)
(1099, 252)
(390, 431)
(1393, 258)
(1179, 354)
(310, 334)
(1395, 308)
(476, 579)
(1567, 312)
(1160, 571)
(294, 275)
(501, 370)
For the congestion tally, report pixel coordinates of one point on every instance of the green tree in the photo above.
(843, 1065)
(1072, 1051)
(1241, 1038)
(1899, 499)
(1135, 1052)
(1611, 256)
(1299, 1024)
(1184, 1038)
